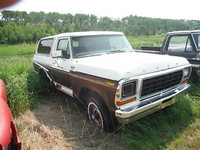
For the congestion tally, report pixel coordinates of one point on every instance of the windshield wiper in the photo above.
(89, 55)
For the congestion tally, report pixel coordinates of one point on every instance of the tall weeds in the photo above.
(23, 85)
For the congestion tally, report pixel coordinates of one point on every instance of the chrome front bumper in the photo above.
(150, 105)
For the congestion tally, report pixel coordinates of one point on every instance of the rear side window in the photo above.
(45, 46)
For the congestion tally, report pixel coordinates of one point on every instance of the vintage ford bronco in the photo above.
(103, 71)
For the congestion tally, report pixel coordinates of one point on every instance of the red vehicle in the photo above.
(9, 139)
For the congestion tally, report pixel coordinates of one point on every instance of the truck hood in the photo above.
(117, 66)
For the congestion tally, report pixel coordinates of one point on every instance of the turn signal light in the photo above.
(119, 103)
(184, 81)
(110, 83)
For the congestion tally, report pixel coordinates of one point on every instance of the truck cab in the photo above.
(183, 43)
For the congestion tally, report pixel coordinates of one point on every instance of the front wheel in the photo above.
(95, 115)
(98, 113)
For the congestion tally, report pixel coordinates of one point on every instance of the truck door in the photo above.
(180, 45)
(61, 65)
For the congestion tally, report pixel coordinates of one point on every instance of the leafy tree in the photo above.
(20, 26)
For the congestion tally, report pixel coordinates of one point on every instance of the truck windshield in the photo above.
(84, 46)
(197, 40)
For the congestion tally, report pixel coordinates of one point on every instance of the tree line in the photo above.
(20, 26)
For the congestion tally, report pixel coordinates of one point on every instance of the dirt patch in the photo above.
(60, 124)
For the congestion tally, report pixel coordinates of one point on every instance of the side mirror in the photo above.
(56, 54)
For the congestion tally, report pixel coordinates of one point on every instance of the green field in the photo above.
(176, 127)
(139, 41)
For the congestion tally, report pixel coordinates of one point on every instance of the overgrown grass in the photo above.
(16, 70)
(156, 131)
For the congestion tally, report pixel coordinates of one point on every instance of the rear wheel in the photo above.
(99, 114)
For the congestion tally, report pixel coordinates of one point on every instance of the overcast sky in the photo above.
(170, 9)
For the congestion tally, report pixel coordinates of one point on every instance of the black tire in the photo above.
(98, 113)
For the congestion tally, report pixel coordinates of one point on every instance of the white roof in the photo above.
(88, 33)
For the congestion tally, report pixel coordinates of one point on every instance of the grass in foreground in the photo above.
(156, 131)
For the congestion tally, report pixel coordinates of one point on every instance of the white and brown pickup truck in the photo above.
(103, 71)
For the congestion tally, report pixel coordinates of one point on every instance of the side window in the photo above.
(45, 46)
(63, 45)
(180, 44)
